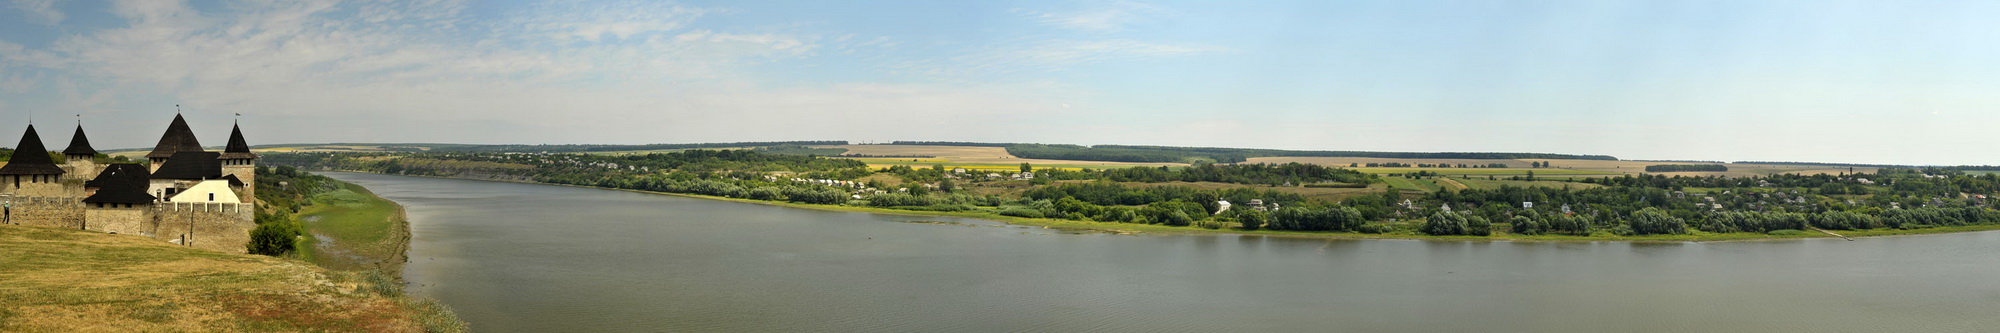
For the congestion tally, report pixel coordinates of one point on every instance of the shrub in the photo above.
(1021, 212)
(1374, 228)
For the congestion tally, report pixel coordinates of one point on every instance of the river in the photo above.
(535, 258)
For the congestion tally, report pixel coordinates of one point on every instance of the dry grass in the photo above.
(58, 280)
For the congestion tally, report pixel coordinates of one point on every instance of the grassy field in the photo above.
(352, 229)
(59, 280)
(1419, 185)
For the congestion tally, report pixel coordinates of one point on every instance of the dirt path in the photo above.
(1453, 183)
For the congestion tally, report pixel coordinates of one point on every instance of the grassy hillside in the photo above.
(54, 280)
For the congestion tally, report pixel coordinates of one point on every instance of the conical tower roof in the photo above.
(79, 145)
(238, 149)
(178, 139)
(31, 158)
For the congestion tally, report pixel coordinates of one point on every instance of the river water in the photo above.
(535, 258)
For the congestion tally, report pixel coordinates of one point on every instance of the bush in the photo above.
(276, 234)
(274, 239)
(1021, 212)
(767, 193)
(1785, 232)
(1374, 228)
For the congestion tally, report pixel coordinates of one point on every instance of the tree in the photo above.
(1653, 221)
(1442, 224)
(1526, 225)
(1025, 167)
(1252, 219)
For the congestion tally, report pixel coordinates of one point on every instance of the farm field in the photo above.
(1483, 184)
(1561, 167)
(1327, 193)
(1486, 172)
(976, 158)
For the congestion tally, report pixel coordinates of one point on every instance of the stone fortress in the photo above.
(184, 195)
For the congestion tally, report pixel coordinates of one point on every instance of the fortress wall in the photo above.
(221, 227)
(52, 212)
(59, 188)
(137, 220)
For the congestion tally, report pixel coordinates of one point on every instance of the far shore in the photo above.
(1133, 229)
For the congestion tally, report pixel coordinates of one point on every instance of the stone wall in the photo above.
(223, 227)
(50, 186)
(52, 212)
(136, 220)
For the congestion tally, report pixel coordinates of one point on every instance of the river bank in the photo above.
(1499, 229)
(353, 229)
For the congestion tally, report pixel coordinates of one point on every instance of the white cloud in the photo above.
(594, 22)
(1107, 16)
(626, 72)
(41, 11)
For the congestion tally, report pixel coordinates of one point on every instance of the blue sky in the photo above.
(1906, 82)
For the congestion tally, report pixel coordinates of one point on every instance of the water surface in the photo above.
(535, 258)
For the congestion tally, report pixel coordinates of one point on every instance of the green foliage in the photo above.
(1249, 219)
(1653, 221)
(1525, 225)
(1316, 219)
(1022, 212)
(1443, 224)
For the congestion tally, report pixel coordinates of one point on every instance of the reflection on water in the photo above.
(530, 258)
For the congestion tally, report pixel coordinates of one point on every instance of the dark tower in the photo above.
(178, 139)
(30, 166)
(239, 162)
(82, 159)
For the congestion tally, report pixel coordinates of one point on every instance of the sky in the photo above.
(1902, 82)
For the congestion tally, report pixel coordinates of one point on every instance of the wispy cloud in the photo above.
(41, 11)
(597, 21)
(1106, 16)
(425, 71)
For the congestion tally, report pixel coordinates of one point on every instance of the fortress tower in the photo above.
(30, 172)
(82, 160)
(178, 139)
(239, 162)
